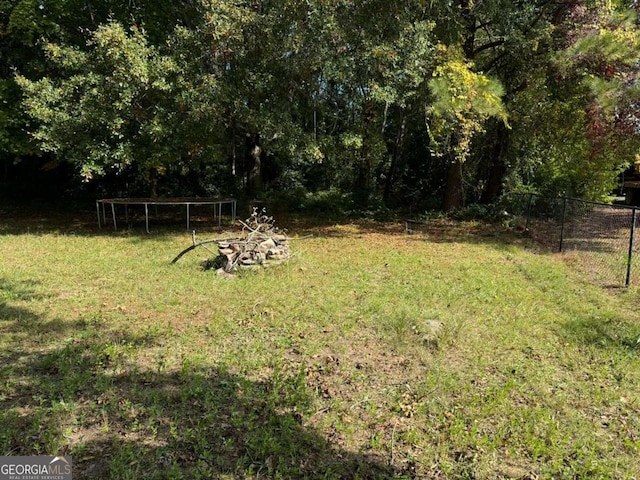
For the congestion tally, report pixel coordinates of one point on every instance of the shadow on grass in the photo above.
(19, 290)
(9, 313)
(605, 333)
(90, 395)
(17, 319)
(55, 220)
(440, 230)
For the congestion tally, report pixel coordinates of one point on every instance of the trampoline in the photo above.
(188, 202)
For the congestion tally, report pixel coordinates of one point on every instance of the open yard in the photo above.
(459, 351)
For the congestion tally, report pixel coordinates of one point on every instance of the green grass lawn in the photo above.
(457, 352)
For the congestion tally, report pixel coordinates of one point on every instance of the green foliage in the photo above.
(326, 95)
(122, 102)
(549, 152)
(593, 84)
(607, 58)
(27, 20)
(463, 101)
(13, 142)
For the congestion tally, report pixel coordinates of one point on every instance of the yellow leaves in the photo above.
(53, 51)
(86, 173)
(626, 36)
(441, 49)
(313, 153)
(383, 51)
(463, 101)
(352, 141)
(460, 91)
(616, 40)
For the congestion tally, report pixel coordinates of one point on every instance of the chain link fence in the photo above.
(598, 237)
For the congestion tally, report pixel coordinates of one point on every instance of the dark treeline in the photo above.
(428, 104)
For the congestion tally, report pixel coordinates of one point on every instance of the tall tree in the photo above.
(119, 104)
(326, 93)
(25, 25)
(591, 80)
(464, 101)
(508, 42)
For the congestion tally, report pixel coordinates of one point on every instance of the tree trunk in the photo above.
(498, 168)
(254, 164)
(454, 191)
(362, 187)
(493, 187)
(152, 182)
(469, 19)
(234, 156)
(397, 151)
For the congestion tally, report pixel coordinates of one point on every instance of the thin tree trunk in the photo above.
(363, 175)
(254, 170)
(395, 158)
(152, 179)
(234, 155)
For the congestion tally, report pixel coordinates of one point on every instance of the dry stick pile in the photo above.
(264, 245)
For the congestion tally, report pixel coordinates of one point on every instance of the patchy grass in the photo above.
(456, 352)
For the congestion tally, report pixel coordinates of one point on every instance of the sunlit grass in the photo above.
(457, 352)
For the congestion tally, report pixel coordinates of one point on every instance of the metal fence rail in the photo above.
(600, 236)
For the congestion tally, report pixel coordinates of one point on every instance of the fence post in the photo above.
(564, 211)
(630, 256)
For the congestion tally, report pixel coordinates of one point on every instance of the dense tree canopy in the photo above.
(411, 103)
